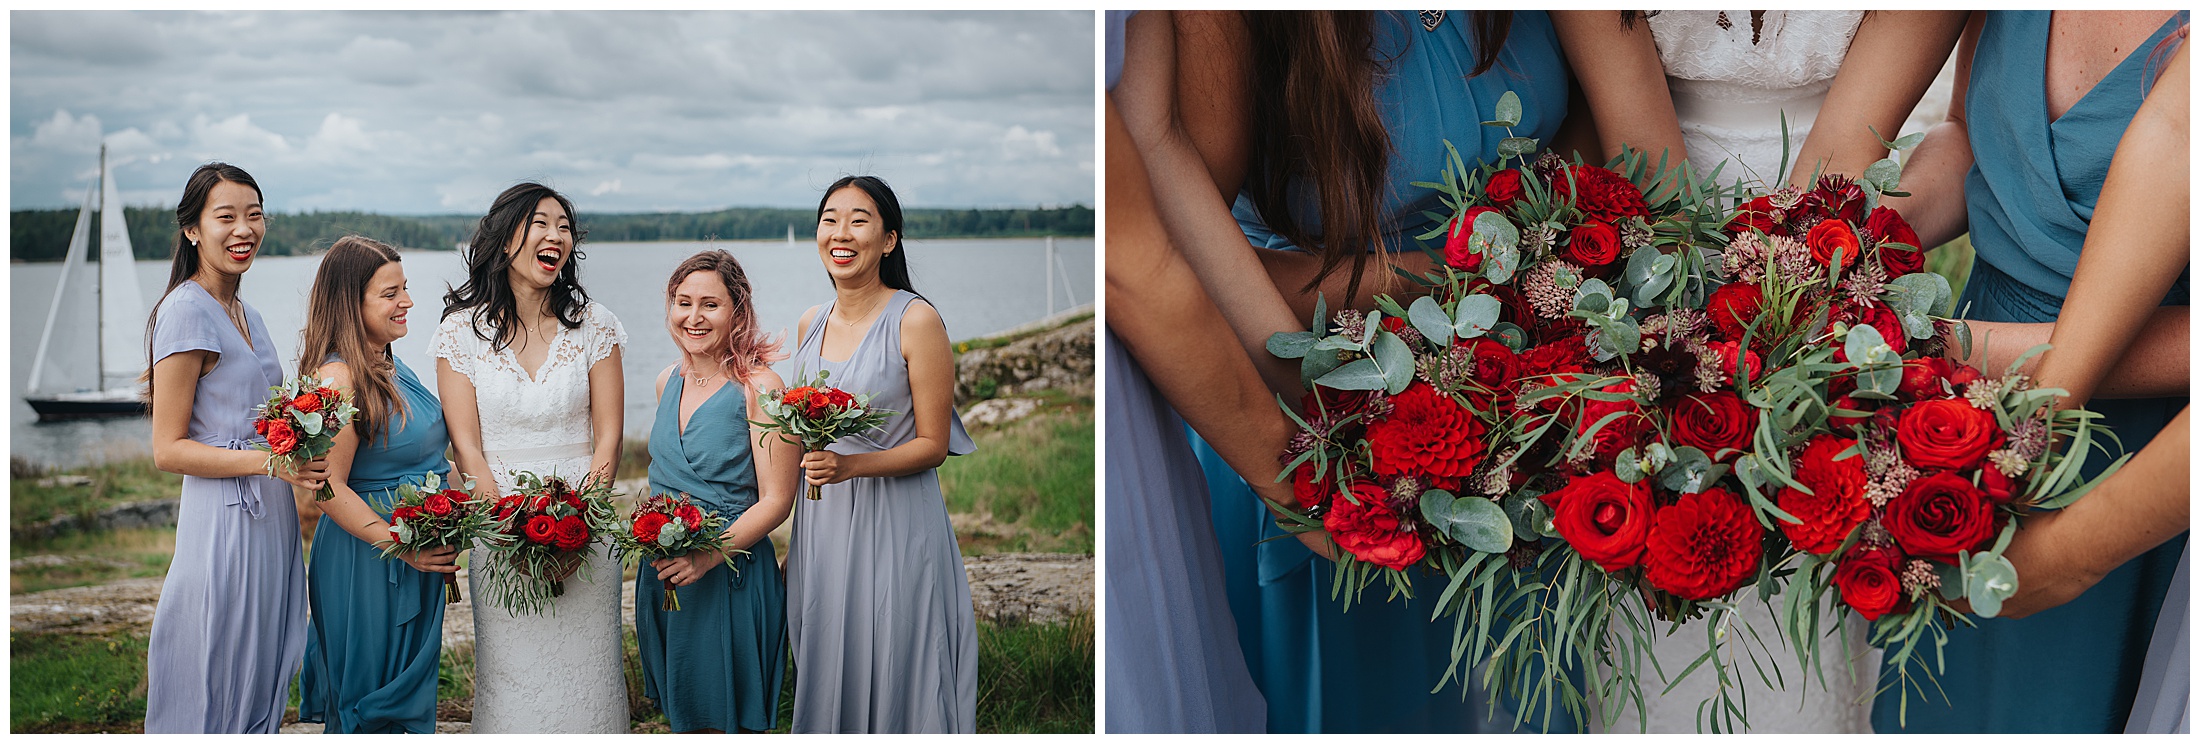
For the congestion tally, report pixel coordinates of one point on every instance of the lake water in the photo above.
(980, 287)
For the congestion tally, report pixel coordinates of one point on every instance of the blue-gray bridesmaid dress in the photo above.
(231, 624)
(2031, 195)
(376, 630)
(1372, 669)
(720, 661)
(878, 604)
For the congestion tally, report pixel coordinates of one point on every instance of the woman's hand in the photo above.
(434, 560)
(825, 467)
(308, 475)
(679, 571)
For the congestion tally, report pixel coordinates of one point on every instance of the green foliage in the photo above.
(43, 234)
(1029, 484)
(1036, 678)
(66, 683)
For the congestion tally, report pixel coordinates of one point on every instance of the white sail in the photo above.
(121, 304)
(77, 240)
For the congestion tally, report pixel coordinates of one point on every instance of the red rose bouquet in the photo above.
(300, 422)
(667, 527)
(543, 531)
(429, 516)
(815, 415)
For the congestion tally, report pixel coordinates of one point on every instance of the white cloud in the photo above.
(612, 186)
(1018, 140)
(73, 133)
(231, 137)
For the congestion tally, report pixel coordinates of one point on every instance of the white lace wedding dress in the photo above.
(557, 672)
(1730, 94)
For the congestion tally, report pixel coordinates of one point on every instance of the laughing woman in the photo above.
(717, 664)
(878, 605)
(231, 623)
(376, 630)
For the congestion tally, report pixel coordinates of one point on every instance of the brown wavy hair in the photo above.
(747, 349)
(336, 326)
(1314, 114)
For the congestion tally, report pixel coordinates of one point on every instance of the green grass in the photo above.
(98, 558)
(115, 482)
(1031, 479)
(75, 684)
(1036, 678)
(990, 342)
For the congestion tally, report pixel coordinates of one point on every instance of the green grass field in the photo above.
(1031, 481)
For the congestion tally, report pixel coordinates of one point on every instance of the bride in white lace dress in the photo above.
(1715, 85)
(528, 370)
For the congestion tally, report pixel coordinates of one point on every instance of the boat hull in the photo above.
(69, 408)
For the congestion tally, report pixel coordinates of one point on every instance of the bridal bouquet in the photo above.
(666, 527)
(543, 531)
(300, 422)
(430, 516)
(816, 415)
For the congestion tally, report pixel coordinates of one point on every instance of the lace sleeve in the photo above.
(604, 332)
(455, 341)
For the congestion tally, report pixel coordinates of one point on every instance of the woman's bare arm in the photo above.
(606, 414)
(778, 471)
(1933, 175)
(2060, 554)
(175, 384)
(1623, 81)
(1891, 61)
(463, 420)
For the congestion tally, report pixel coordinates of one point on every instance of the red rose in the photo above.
(1605, 519)
(280, 439)
(259, 426)
(1869, 582)
(1755, 214)
(1962, 375)
(1620, 433)
(1946, 434)
(2000, 488)
(1458, 245)
(1372, 532)
(1886, 226)
(690, 516)
(1496, 367)
(393, 536)
(509, 505)
(1719, 423)
(1940, 515)
(572, 533)
(1427, 433)
(1562, 356)
(1602, 195)
(1593, 246)
(404, 513)
(1831, 237)
(1733, 307)
(1921, 378)
(1703, 546)
(306, 403)
(647, 526)
(1889, 327)
(543, 502)
(839, 397)
(437, 504)
(1733, 358)
(1311, 492)
(542, 530)
(1504, 187)
(1333, 403)
(794, 396)
(1836, 503)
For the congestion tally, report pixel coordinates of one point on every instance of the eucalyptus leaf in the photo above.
(1991, 580)
(1513, 147)
(1885, 174)
(1360, 374)
(1396, 360)
(1293, 344)
(1641, 266)
(1951, 580)
(1528, 514)
(1314, 366)
(1338, 342)
(1864, 345)
(1510, 335)
(1476, 314)
(1498, 266)
(1478, 523)
(1926, 291)
(1689, 472)
(1508, 110)
(1428, 317)
(310, 422)
(1628, 466)
(1493, 231)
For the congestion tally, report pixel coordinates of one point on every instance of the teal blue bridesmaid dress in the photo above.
(376, 626)
(1373, 669)
(718, 662)
(2031, 195)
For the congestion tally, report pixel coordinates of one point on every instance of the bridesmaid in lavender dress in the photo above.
(230, 628)
(878, 605)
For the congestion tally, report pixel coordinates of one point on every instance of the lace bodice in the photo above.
(519, 411)
(1730, 90)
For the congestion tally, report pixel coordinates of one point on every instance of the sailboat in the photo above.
(121, 315)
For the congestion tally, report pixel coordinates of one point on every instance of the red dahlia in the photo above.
(1601, 194)
(1370, 531)
(1703, 546)
(1427, 433)
(647, 525)
(1836, 503)
(572, 533)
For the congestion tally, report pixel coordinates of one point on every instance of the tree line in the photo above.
(43, 234)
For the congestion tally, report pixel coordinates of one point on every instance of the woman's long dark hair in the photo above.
(488, 285)
(336, 325)
(893, 270)
(184, 255)
(1314, 115)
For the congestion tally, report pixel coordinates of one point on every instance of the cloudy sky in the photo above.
(429, 112)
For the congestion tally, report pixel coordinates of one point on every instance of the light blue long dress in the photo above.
(231, 625)
(1173, 663)
(376, 628)
(2031, 195)
(1371, 670)
(720, 661)
(878, 604)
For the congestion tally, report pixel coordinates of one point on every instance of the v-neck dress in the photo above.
(878, 603)
(721, 660)
(376, 630)
(2031, 195)
(230, 628)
